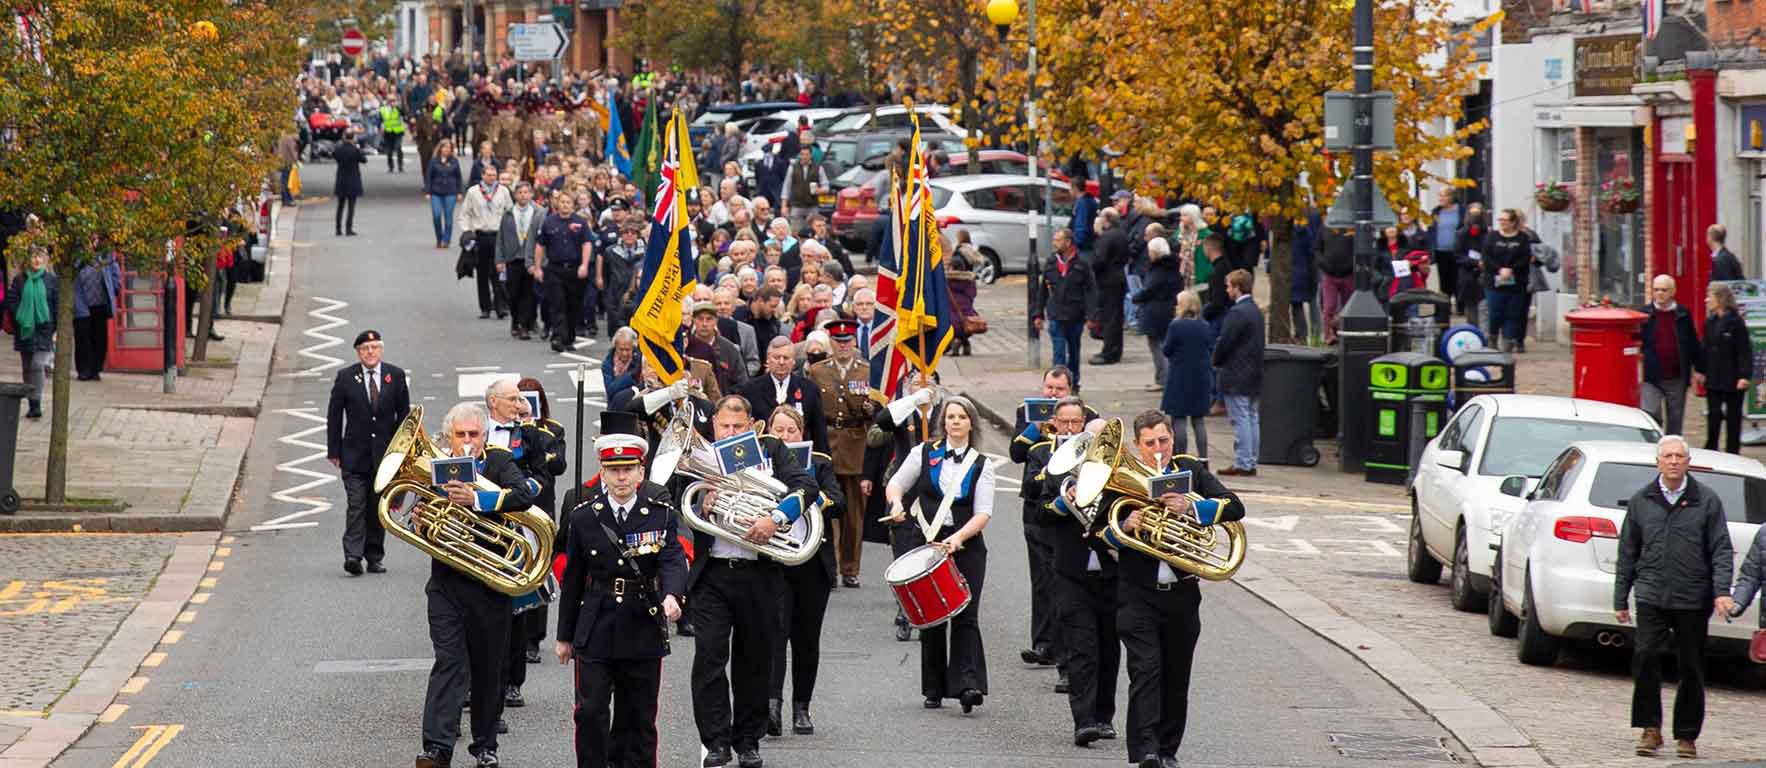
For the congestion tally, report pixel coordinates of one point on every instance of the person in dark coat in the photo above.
(368, 402)
(1188, 347)
(1239, 355)
(1724, 264)
(1671, 350)
(1303, 278)
(31, 300)
(804, 603)
(1468, 259)
(1066, 282)
(1508, 255)
(442, 186)
(1725, 368)
(1111, 257)
(348, 187)
(1156, 299)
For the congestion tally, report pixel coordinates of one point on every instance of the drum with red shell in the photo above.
(928, 585)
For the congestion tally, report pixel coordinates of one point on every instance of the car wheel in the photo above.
(1460, 592)
(989, 269)
(1502, 623)
(1536, 648)
(1420, 567)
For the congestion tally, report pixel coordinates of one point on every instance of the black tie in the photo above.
(373, 391)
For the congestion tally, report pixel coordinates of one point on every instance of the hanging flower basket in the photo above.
(1552, 197)
(1620, 196)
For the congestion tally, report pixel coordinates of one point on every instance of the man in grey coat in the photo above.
(516, 236)
(1238, 357)
(1674, 553)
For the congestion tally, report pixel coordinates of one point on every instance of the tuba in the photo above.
(1062, 461)
(511, 555)
(1211, 552)
(742, 497)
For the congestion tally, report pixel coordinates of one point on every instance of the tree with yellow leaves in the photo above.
(1224, 102)
(946, 51)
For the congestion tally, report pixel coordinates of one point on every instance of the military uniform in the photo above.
(505, 132)
(848, 407)
(1045, 618)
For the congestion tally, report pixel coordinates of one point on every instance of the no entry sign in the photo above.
(354, 42)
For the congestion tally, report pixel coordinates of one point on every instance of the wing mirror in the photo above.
(1454, 460)
(1514, 485)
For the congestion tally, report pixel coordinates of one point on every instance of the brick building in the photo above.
(594, 25)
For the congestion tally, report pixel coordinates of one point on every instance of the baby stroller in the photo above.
(328, 130)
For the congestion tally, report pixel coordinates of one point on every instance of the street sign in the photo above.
(1339, 122)
(537, 42)
(353, 42)
(1342, 213)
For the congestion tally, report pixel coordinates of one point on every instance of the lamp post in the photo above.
(1365, 329)
(1002, 13)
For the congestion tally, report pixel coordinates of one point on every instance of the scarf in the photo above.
(33, 305)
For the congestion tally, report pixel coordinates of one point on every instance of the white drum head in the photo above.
(913, 564)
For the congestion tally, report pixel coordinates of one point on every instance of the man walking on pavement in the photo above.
(517, 235)
(1066, 284)
(1724, 265)
(479, 217)
(1239, 357)
(1109, 260)
(1674, 552)
(1670, 353)
(368, 402)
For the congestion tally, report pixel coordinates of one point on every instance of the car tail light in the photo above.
(847, 204)
(1581, 529)
(945, 221)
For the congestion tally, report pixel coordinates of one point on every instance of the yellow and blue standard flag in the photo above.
(669, 276)
(616, 150)
(923, 309)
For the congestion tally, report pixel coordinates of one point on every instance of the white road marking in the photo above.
(578, 358)
(582, 342)
(314, 504)
(571, 365)
(472, 385)
(325, 341)
(474, 368)
(1283, 523)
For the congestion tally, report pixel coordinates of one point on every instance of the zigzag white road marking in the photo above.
(326, 340)
(314, 504)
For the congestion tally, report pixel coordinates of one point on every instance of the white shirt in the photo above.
(781, 387)
(949, 483)
(499, 437)
(622, 508)
(1673, 495)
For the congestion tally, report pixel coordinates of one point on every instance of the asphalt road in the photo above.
(292, 662)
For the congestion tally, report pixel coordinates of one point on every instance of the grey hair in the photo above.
(1667, 439)
(492, 388)
(779, 221)
(625, 334)
(812, 247)
(778, 341)
(465, 413)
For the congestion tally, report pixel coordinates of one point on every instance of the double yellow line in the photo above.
(154, 739)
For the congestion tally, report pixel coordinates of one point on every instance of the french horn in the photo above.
(510, 553)
(742, 497)
(1212, 552)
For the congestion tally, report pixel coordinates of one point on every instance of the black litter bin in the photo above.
(11, 398)
(1327, 397)
(1289, 406)
(1421, 333)
(1482, 372)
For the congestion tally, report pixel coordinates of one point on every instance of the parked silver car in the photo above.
(992, 208)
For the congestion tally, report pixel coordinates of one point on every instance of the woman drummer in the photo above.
(805, 599)
(952, 465)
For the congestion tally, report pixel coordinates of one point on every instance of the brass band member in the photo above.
(1045, 621)
(538, 443)
(804, 602)
(734, 594)
(468, 621)
(1159, 607)
(953, 664)
(625, 578)
(1084, 581)
(896, 433)
(845, 381)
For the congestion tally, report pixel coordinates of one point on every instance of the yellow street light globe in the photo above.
(204, 30)
(1002, 12)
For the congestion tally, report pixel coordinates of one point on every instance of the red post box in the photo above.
(1606, 353)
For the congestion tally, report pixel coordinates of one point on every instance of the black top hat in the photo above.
(620, 423)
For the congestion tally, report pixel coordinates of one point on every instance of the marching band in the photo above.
(699, 511)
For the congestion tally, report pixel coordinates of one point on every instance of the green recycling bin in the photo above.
(1409, 392)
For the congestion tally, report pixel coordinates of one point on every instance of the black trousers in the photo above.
(393, 144)
(564, 299)
(1045, 612)
(802, 607)
(518, 286)
(1110, 296)
(1659, 631)
(346, 224)
(469, 628)
(490, 289)
(952, 659)
(621, 693)
(1159, 632)
(1723, 409)
(363, 536)
(1094, 652)
(735, 619)
(91, 345)
(1446, 274)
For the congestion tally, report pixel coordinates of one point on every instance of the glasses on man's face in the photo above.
(467, 433)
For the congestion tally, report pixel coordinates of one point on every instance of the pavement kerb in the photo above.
(98, 686)
(1492, 741)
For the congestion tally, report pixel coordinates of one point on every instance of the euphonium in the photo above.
(742, 497)
(511, 555)
(1210, 552)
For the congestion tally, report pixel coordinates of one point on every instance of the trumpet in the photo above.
(1212, 552)
(742, 497)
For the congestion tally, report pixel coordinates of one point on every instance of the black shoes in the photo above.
(1083, 737)
(971, 699)
(488, 759)
(774, 726)
(434, 759)
(1106, 731)
(36, 410)
(556, 347)
(376, 568)
(850, 582)
(1150, 761)
(350, 232)
(533, 655)
(484, 315)
(1063, 685)
(1169, 761)
(800, 722)
(749, 758)
(352, 566)
(903, 632)
(502, 726)
(1039, 656)
(684, 628)
(512, 697)
(718, 757)
(933, 702)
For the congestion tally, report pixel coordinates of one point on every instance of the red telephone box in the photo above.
(137, 330)
(1606, 354)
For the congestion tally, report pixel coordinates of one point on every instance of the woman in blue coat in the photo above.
(1158, 290)
(1188, 349)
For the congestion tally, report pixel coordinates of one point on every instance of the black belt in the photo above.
(737, 563)
(621, 587)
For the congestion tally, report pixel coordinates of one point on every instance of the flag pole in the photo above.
(581, 371)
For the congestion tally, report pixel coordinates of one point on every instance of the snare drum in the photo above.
(928, 585)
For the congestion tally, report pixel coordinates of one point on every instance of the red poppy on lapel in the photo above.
(387, 377)
(935, 460)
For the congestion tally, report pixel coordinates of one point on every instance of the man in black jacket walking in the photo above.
(368, 402)
(1065, 284)
(1674, 552)
(1670, 353)
(1109, 261)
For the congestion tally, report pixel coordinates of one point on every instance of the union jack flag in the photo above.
(886, 362)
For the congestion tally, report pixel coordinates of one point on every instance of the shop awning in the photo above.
(1590, 115)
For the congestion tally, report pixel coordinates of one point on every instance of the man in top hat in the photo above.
(845, 384)
(625, 578)
(368, 401)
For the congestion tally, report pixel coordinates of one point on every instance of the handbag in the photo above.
(974, 325)
(1536, 282)
(1757, 647)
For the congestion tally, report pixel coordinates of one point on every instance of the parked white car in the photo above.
(1556, 560)
(992, 208)
(761, 132)
(1457, 506)
(933, 117)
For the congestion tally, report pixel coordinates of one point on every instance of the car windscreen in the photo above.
(843, 152)
(713, 118)
(1524, 446)
(1744, 498)
(850, 122)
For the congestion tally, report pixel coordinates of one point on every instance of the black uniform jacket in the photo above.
(598, 623)
(799, 391)
(1142, 570)
(821, 467)
(355, 433)
(1073, 544)
(798, 484)
(886, 446)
